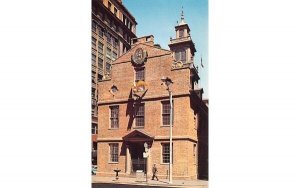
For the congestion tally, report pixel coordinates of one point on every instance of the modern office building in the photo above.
(134, 111)
(113, 27)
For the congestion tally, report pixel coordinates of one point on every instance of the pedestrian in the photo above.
(154, 171)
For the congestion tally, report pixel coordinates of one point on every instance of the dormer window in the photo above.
(181, 33)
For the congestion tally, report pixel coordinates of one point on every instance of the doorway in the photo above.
(138, 162)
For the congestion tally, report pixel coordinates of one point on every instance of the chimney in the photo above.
(146, 39)
(157, 45)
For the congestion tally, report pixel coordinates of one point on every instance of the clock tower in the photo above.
(182, 46)
(183, 51)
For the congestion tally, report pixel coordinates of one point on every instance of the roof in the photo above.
(127, 11)
(152, 51)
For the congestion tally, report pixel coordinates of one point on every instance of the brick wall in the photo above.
(158, 64)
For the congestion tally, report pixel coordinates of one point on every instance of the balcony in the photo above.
(182, 39)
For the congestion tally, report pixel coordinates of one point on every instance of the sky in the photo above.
(159, 18)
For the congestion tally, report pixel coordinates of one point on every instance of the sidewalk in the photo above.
(162, 182)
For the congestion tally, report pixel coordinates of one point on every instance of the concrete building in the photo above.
(134, 109)
(113, 27)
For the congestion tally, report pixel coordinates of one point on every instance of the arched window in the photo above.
(180, 55)
(181, 33)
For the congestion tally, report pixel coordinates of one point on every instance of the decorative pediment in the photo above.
(137, 136)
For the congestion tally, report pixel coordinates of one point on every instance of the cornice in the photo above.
(148, 98)
(156, 138)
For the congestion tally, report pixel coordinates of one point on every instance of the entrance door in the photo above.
(138, 162)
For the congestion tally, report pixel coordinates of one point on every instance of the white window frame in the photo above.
(161, 152)
(141, 127)
(110, 108)
(161, 114)
(109, 153)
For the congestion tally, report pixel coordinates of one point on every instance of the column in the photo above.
(128, 160)
(189, 55)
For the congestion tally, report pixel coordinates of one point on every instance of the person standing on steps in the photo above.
(154, 171)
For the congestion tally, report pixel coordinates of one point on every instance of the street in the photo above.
(112, 185)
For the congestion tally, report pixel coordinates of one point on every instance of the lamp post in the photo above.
(167, 81)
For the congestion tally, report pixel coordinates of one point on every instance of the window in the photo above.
(93, 59)
(114, 117)
(181, 33)
(113, 26)
(109, 38)
(100, 32)
(196, 120)
(180, 56)
(109, 5)
(100, 77)
(94, 26)
(183, 56)
(100, 48)
(93, 93)
(94, 129)
(93, 110)
(128, 39)
(108, 52)
(93, 81)
(115, 43)
(114, 56)
(114, 150)
(140, 116)
(101, 16)
(129, 25)
(100, 64)
(94, 154)
(166, 112)
(107, 67)
(115, 11)
(140, 74)
(166, 153)
(94, 145)
(93, 42)
(177, 56)
(124, 20)
(194, 153)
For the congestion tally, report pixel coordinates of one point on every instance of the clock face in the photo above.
(139, 56)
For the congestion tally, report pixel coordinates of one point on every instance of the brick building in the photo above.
(112, 29)
(134, 109)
